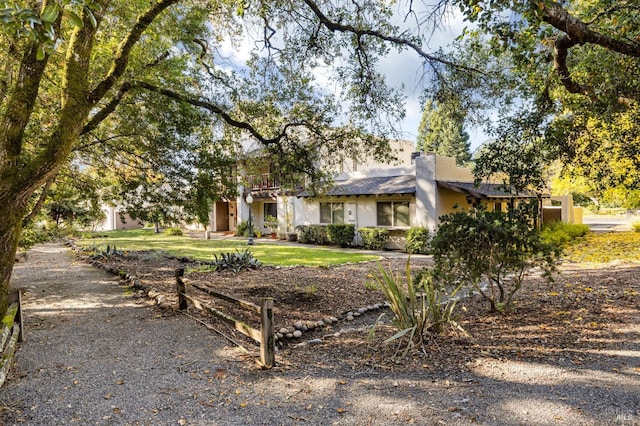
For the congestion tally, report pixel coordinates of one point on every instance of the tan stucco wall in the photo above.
(447, 199)
(446, 169)
(401, 150)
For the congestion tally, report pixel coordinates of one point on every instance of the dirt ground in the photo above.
(569, 354)
(569, 321)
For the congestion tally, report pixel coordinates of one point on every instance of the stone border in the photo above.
(291, 332)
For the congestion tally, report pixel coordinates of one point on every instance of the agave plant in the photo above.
(235, 261)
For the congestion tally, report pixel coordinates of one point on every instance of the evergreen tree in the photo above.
(442, 131)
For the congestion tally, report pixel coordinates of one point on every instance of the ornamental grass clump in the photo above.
(420, 307)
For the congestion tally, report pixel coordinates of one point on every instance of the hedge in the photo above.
(374, 238)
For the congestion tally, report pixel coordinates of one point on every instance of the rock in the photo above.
(304, 328)
(320, 324)
(298, 325)
(279, 335)
(356, 314)
(290, 329)
(153, 294)
(376, 306)
(297, 334)
(333, 320)
(289, 335)
(370, 308)
(349, 314)
(311, 325)
(362, 310)
(327, 321)
(314, 341)
(349, 317)
(283, 331)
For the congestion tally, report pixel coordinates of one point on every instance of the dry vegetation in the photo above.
(585, 311)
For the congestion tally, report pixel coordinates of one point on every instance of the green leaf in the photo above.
(399, 334)
(41, 53)
(91, 17)
(50, 13)
(74, 18)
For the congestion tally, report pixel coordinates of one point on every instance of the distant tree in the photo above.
(442, 131)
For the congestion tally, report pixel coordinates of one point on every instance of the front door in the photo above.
(222, 216)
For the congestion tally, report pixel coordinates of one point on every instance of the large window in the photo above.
(393, 213)
(331, 212)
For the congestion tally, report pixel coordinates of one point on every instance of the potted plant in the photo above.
(272, 224)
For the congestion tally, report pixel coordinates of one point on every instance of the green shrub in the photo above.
(175, 232)
(31, 236)
(425, 306)
(340, 234)
(374, 238)
(636, 226)
(491, 251)
(417, 240)
(242, 229)
(560, 234)
(312, 234)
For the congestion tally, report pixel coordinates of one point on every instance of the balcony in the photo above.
(264, 182)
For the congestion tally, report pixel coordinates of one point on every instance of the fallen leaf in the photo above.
(119, 382)
(341, 410)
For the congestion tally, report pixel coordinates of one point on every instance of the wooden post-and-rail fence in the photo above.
(12, 332)
(265, 336)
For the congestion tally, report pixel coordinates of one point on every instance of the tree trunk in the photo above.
(10, 228)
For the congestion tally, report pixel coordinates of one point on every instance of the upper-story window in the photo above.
(393, 213)
(331, 212)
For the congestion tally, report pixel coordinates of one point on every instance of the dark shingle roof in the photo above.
(484, 190)
(382, 185)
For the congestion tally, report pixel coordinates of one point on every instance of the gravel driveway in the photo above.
(94, 354)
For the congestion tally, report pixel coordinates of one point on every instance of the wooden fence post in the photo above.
(267, 337)
(181, 288)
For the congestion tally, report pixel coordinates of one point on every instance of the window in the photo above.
(270, 209)
(331, 212)
(393, 213)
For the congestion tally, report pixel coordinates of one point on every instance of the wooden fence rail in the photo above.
(265, 336)
(12, 333)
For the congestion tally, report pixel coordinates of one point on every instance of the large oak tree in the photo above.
(78, 78)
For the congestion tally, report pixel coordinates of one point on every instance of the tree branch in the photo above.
(124, 50)
(578, 32)
(106, 110)
(19, 107)
(398, 41)
(212, 108)
(38, 206)
(561, 47)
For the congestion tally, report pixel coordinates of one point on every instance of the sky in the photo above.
(403, 68)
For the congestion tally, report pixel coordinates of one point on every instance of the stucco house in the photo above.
(415, 191)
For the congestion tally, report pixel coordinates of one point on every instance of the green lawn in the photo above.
(267, 251)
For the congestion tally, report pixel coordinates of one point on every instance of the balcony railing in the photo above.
(264, 182)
